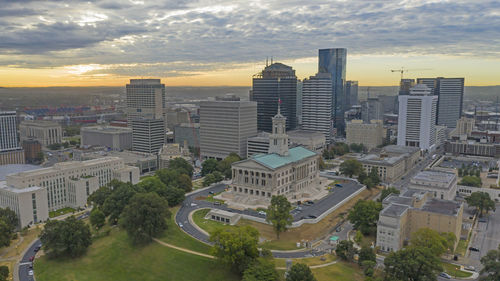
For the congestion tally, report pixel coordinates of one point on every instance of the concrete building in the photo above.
(370, 135)
(464, 126)
(276, 81)
(372, 109)
(450, 92)
(415, 209)
(412, 154)
(441, 185)
(146, 162)
(115, 138)
(405, 85)
(32, 149)
(10, 151)
(351, 91)
(148, 135)
(317, 104)
(416, 120)
(187, 132)
(175, 117)
(472, 147)
(32, 194)
(225, 126)
(46, 132)
(441, 135)
(12, 157)
(223, 216)
(291, 172)
(314, 141)
(172, 151)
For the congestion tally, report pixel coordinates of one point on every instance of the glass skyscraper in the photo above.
(333, 61)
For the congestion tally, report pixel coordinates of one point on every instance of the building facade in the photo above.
(225, 127)
(416, 120)
(441, 185)
(115, 138)
(148, 135)
(370, 135)
(465, 126)
(317, 104)
(314, 141)
(46, 132)
(32, 150)
(334, 61)
(189, 133)
(32, 194)
(372, 109)
(351, 90)
(276, 82)
(10, 151)
(172, 151)
(405, 85)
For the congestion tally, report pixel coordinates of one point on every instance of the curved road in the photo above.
(190, 204)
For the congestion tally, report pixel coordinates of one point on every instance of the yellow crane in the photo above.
(403, 70)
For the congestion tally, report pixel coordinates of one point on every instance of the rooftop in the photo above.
(433, 177)
(444, 207)
(4, 186)
(39, 123)
(376, 159)
(402, 200)
(15, 168)
(394, 210)
(399, 149)
(275, 161)
(107, 129)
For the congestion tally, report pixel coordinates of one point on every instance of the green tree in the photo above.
(208, 179)
(54, 146)
(97, 218)
(431, 240)
(65, 144)
(181, 165)
(388, 191)
(351, 167)
(185, 183)
(278, 214)
(261, 269)
(174, 195)
(5, 234)
(368, 267)
(366, 254)
(460, 172)
(374, 176)
(151, 184)
(345, 250)
(40, 157)
(491, 265)
(9, 217)
(412, 264)
(4, 273)
(357, 147)
(99, 196)
(145, 217)
(471, 181)
(67, 238)
(224, 166)
(169, 177)
(364, 216)
(482, 202)
(236, 247)
(359, 237)
(300, 272)
(116, 202)
(208, 166)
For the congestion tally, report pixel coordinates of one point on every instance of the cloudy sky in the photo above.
(211, 42)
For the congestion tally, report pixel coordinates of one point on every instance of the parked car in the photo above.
(298, 208)
(217, 203)
(30, 273)
(211, 192)
(180, 225)
(445, 275)
(474, 249)
(32, 258)
(194, 204)
(309, 203)
(483, 220)
(338, 185)
(338, 229)
(262, 213)
(312, 216)
(470, 268)
(37, 248)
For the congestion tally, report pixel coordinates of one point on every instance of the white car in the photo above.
(30, 273)
(180, 225)
(194, 205)
(262, 213)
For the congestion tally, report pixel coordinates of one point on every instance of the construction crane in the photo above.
(403, 70)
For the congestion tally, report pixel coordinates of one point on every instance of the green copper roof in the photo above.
(274, 160)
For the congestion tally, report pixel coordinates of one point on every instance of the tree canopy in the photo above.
(412, 264)
(432, 240)
(345, 250)
(66, 238)
(8, 225)
(471, 181)
(262, 269)
(181, 165)
(97, 218)
(117, 200)
(300, 272)
(388, 191)
(491, 263)
(351, 167)
(364, 216)
(278, 214)
(482, 202)
(145, 217)
(208, 166)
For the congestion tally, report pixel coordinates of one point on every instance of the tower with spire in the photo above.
(278, 139)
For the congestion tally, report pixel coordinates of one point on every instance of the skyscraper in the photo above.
(10, 150)
(372, 109)
(450, 92)
(225, 126)
(405, 85)
(317, 104)
(276, 81)
(146, 111)
(417, 115)
(333, 61)
(351, 90)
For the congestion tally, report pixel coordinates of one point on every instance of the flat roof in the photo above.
(434, 176)
(444, 207)
(376, 159)
(274, 160)
(403, 200)
(15, 168)
(400, 149)
(4, 186)
(107, 129)
(394, 210)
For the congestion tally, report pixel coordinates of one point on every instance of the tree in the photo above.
(5, 234)
(9, 217)
(174, 196)
(4, 272)
(208, 179)
(54, 146)
(39, 156)
(99, 196)
(181, 165)
(261, 269)
(116, 202)
(412, 264)
(152, 184)
(366, 254)
(351, 167)
(224, 166)
(491, 265)
(358, 237)
(364, 216)
(278, 214)
(374, 176)
(97, 218)
(482, 202)
(208, 166)
(345, 250)
(300, 272)
(430, 239)
(145, 217)
(388, 191)
(471, 181)
(67, 238)
(368, 267)
(357, 147)
(169, 177)
(185, 183)
(236, 247)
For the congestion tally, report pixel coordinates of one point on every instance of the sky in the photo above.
(217, 43)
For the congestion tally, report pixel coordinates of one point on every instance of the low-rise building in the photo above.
(172, 151)
(46, 132)
(32, 150)
(223, 216)
(440, 184)
(390, 168)
(472, 147)
(371, 134)
(32, 194)
(14, 156)
(116, 138)
(415, 209)
(146, 162)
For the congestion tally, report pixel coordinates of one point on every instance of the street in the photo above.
(487, 238)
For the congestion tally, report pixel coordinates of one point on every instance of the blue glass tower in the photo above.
(333, 61)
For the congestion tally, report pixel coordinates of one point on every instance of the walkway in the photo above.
(183, 249)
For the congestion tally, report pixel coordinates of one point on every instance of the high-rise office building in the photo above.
(146, 111)
(333, 61)
(276, 81)
(450, 92)
(417, 115)
(405, 85)
(10, 149)
(372, 109)
(225, 126)
(351, 91)
(317, 104)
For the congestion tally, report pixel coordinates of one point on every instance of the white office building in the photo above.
(317, 104)
(417, 118)
(148, 135)
(45, 132)
(10, 150)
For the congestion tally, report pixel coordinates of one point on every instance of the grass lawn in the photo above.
(61, 212)
(10, 253)
(197, 183)
(454, 270)
(207, 225)
(114, 258)
(367, 241)
(339, 272)
(174, 235)
(461, 247)
(309, 261)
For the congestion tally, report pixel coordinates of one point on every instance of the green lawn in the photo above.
(61, 212)
(207, 225)
(461, 247)
(339, 272)
(454, 270)
(114, 258)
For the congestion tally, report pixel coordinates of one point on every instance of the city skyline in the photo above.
(101, 43)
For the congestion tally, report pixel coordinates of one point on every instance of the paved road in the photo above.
(320, 206)
(487, 237)
(404, 181)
